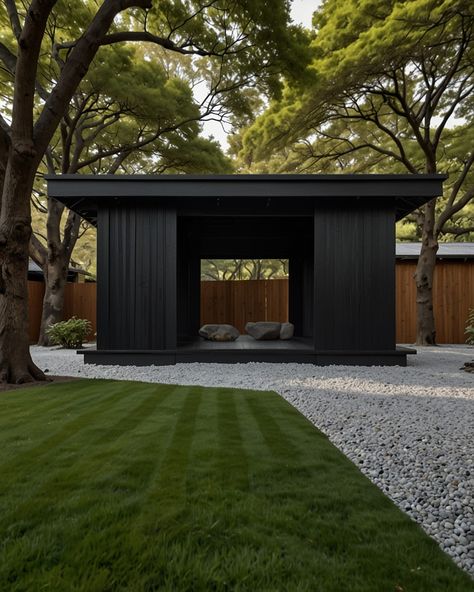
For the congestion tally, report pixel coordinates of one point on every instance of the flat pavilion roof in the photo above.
(84, 193)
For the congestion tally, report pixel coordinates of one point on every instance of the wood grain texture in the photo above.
(35, 307)
(453, 296)
(239, 302)
(80, 300)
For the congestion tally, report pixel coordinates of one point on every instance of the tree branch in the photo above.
(29, 47)
(71, 232)
(456, 101)
(452, 206)
(455, 208)
(76, 68)
(118, 161)
(38, 252)
(13, 16)
(186, 48)
(457, 231)
(8, 59)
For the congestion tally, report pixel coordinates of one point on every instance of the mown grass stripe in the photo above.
(65, 481)
(279, 443)
(58, 406)
(51, 397)
(135, 416)
(155, 512)
(168, 490)
(32, 455)
(232, 462)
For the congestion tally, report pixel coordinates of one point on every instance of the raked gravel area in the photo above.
(410, 430)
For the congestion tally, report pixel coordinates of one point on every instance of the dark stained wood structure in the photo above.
(338, 232)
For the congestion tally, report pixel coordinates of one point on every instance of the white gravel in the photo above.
(410, 430)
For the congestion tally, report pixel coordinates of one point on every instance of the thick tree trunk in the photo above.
(27, 142)
(15, 229)
(55, 265)
(55, 277)
(425, 322)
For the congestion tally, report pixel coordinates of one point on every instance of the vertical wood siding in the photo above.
(453, 295)
(238, 302)
(354, 259)
(136, 278)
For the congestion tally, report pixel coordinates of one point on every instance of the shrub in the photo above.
(71, 333)
(470, 327)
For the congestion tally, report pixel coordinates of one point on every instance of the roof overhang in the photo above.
(85, 193)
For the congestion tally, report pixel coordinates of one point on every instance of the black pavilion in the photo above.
(338, 232)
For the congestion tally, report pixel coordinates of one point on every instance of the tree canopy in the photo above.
(47, 49)
(389, 89)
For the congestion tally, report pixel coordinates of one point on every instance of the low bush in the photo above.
(470, 327)
(71, 333)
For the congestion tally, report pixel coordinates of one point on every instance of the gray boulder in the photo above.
(219, 332)
(263, 330)
(287, 330)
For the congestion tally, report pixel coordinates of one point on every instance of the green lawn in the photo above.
(128, 486)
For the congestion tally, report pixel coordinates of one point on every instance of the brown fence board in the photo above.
(236, 302)
(453, 295)
(35, 300)
(405, 302)
(277, 300)
(79, 300)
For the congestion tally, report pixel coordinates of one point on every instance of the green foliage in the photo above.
(470, 327)
(71, 333)
(137, 109)
(243, 269)
(116, 486)
(390, 90)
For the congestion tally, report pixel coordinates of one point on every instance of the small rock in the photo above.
(263, 330)
(287, 331)
(219, 332)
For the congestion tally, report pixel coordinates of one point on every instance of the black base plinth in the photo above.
(247, 350)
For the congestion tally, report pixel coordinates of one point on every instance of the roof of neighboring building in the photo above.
(35, 268)
(445, 251)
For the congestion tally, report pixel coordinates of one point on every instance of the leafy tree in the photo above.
(107, 130)
(243, 269)
(389, 80)
(244, 37)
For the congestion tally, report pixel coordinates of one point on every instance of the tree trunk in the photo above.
(55, 277)
(55, 264)
(425, 322)
(16, 365)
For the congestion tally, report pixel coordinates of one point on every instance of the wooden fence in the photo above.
(237, 302)
(453, 295)
(79, 300)
(241, 301)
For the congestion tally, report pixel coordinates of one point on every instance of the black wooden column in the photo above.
(189, 295)
(295, 294)
(136, 271)
(354, 277)
(300, 293)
